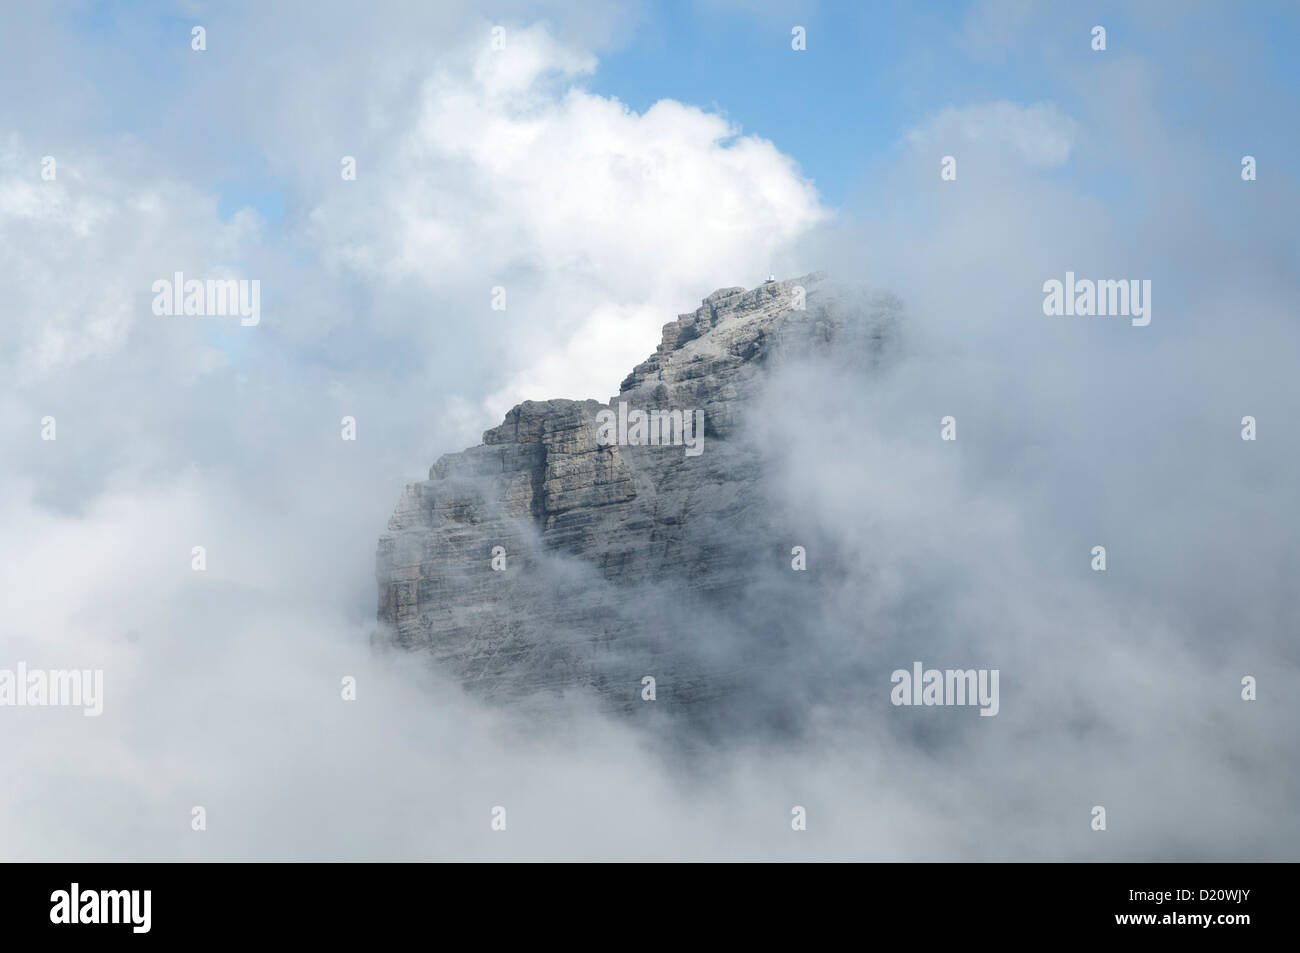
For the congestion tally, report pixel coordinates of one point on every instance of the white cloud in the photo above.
(574, 203)
(527, 56)
(79, 254)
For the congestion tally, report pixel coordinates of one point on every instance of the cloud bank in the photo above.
(480, 168)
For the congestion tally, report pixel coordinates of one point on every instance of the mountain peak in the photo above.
(538, 562)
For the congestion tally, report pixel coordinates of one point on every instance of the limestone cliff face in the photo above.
(620, 561)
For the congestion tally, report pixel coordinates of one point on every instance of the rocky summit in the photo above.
(625, 550)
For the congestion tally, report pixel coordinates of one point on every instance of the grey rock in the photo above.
(621, 561)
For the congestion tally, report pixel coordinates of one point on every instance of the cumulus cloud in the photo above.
(595, 219)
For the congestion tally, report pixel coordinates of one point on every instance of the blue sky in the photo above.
(871, 71)
(835, 106)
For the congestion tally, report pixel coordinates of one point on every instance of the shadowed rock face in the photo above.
(622, 561)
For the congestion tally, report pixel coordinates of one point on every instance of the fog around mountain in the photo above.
(223, 688)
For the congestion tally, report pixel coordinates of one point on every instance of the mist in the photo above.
(223, 689)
